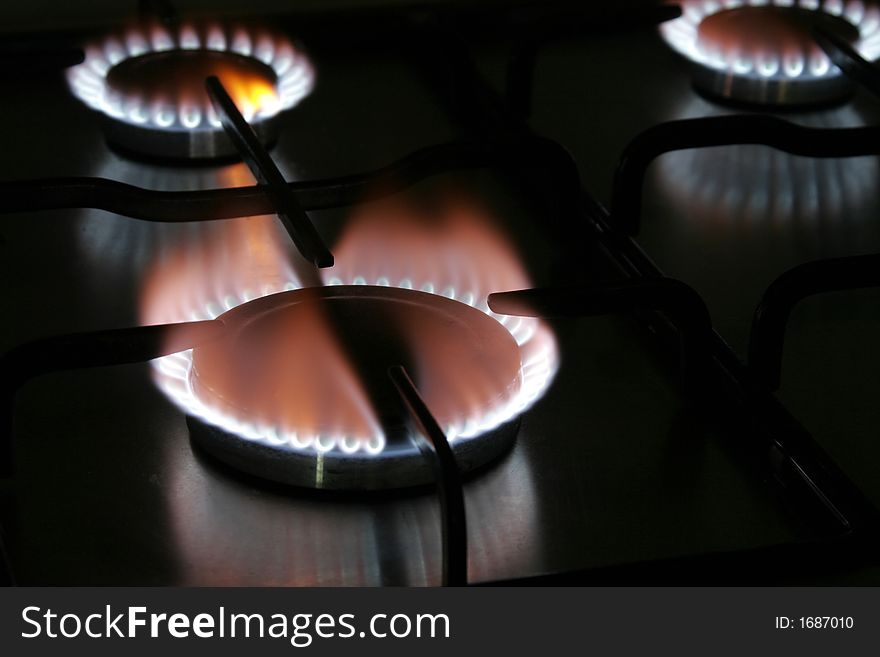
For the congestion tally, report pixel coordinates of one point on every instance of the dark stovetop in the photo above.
(612, 466)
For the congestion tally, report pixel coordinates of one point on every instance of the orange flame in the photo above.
(219, 265)
(449, 249)
(287, 374)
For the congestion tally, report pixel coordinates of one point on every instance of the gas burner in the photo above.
(297, 391)
(763, 52)
(148, 83)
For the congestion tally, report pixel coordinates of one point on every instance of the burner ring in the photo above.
(763, 53)
(394, 469)
(390, 459)
(206, 143)
(148, 85)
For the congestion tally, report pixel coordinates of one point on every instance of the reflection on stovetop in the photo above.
(108, 471)
(728, 220)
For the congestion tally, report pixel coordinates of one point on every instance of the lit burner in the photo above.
(149, 84)
(298, 391)
(762, 51)
(309, 400)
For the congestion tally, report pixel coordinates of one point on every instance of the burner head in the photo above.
(297, 391)
(149, 84)
(763, 53)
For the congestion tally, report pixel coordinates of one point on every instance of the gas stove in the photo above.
(519, 293)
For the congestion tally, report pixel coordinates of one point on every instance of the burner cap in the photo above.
(327, 415)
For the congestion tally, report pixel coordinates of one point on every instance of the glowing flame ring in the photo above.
(539, 364)
(88, 80)
(682, 36)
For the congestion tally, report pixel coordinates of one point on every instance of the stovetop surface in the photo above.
(729, 220)
(611, 466)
